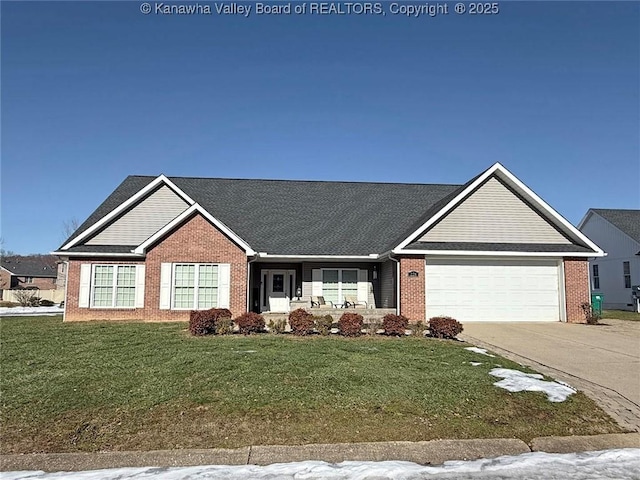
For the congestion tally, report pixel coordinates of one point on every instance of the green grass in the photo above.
(620, 315)
(142, 386)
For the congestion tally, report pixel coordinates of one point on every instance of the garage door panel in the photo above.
(493, 290)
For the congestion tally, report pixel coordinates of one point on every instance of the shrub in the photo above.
(46, 303)
(277, 326)
(350, 324)
(301, 322)
(444, 327)
(323, 324)
(418, 329)
(250, 322)
(591, 315)
(208, 322)
(27, 298)
(395, 324)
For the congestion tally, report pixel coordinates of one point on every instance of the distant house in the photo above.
(28, 271)
(617, 232)
(487, 250)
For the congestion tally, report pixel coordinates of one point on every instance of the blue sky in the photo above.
(95, 91)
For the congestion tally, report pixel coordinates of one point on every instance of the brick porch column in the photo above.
(412, 288)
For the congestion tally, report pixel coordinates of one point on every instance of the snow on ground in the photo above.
(475, 364)
(516, 381)
(622, 464)
(24, 311)
(479, 350)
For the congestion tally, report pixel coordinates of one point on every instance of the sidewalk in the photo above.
(434, 452)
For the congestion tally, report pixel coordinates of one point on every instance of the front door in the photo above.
(279, 289)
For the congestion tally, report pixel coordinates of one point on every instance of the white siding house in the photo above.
(617, 232)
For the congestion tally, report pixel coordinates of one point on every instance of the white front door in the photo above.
(279, 290)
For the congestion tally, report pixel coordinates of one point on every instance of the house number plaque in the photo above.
(413, 273)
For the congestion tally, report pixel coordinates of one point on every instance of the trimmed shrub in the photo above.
(46, 303)
(301, 322)
(444, 327)
(418, 329)
(395, 324)
(278, 326)
(250, 322)
(207, 322)
(323, 324)
(350, 324)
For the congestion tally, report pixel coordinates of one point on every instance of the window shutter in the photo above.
(85, 285)
(363, 285)
(140, 286)
(316, 282)
(165, 286)
(224, 277)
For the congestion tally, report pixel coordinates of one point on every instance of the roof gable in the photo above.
(494, 213)
(521, 200)
(627, 221)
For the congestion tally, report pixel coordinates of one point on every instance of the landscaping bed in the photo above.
(143, 386)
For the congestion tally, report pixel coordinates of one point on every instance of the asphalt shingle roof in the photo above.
(31, 265)
(291, 217)
(628, 221)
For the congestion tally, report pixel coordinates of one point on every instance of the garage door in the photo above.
(493, 290)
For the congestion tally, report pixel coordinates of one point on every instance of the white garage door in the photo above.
(493, 290)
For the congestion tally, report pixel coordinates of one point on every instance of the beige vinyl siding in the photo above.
(143, 220)
(387, 284)
(494, 214)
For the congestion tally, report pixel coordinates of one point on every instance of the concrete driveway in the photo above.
(602, 360)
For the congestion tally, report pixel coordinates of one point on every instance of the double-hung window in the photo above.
(195, 286)
(339, 283)
(113, 286)
(596, 277)
(626, 272)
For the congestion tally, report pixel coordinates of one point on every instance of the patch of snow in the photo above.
(620, 464)
(479, 350)
(517, 381)
(475, 364)
(26, 311)
(244, 351)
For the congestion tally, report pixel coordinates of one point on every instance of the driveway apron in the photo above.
(602, 360)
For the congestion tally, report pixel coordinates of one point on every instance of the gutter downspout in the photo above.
(397, 283)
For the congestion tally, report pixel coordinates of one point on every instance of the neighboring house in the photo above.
(617, 232)
(28, 271)
(488, 250)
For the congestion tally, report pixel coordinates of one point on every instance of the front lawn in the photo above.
(621, 315)
(143, 386)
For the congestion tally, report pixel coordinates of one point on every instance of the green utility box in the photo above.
(597, 299)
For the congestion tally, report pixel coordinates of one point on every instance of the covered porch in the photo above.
(365, 287)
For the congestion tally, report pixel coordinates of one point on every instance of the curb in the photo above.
(433, 452)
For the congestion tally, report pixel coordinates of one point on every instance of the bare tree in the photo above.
(69, 227)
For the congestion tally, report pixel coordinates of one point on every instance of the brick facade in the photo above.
(412, 289)
(576, 286)
(196, 241)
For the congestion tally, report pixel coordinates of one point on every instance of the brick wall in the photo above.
(576, 285)
(42, 283)
(196, 241)
(412, 293)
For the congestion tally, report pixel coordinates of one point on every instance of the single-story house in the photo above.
(488, 250)
(618, 233)
(28, 271)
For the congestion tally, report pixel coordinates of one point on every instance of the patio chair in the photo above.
(352, 302)
(319, 301)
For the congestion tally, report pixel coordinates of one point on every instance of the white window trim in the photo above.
(340, 270)
(195, 285)
(114, 293)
